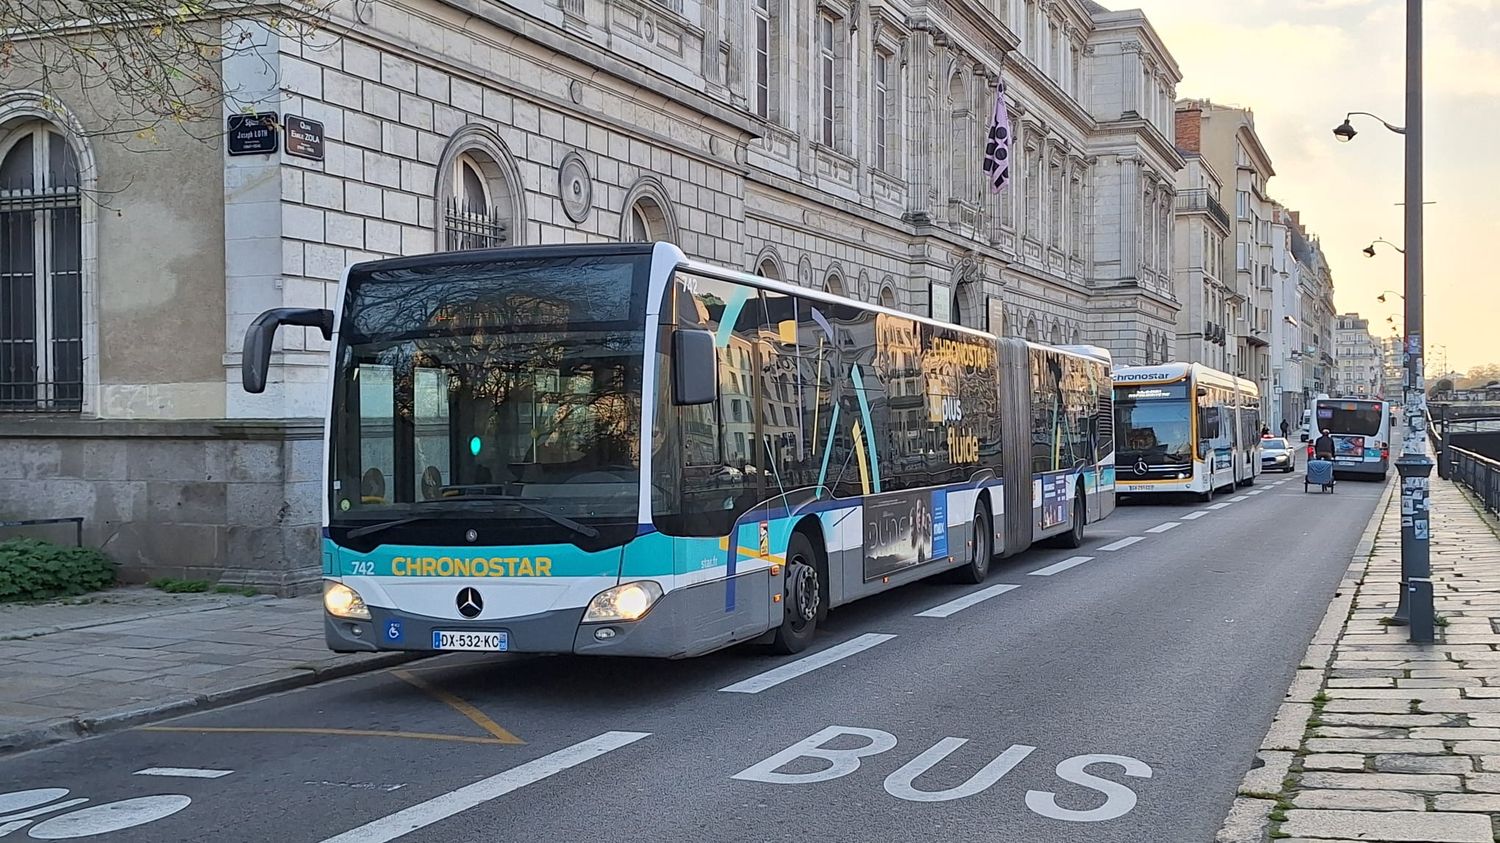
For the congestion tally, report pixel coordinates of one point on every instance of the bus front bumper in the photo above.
(674, 628)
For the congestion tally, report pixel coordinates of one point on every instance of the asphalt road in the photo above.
(1116, 699)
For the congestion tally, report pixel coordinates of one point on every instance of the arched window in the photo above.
(647, 217)
(1057, 334)
(1031, 330)
(41, 270)
(1077, 337)
(767, 268)
(480, 191)
(888, 296)
(834, 283)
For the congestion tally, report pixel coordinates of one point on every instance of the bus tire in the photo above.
(982, 547)
(1208, 496)
(1073, 538)
(802, 600)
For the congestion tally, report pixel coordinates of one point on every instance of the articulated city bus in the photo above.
(616, 450)
(1183, 427)
(1361, 431)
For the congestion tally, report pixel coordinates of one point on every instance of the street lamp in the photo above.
(1381, 298)
(1345, 130)
(1370, 249)
(1414, 465)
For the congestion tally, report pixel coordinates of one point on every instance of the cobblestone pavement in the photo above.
(74, 668)
(1380, 739)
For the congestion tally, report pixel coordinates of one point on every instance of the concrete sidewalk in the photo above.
(1381, 739)
(77, 667)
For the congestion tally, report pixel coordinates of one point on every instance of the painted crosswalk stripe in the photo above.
(1220, 505)
(1059, 567)
(1162, 528)
(791, 670)
(1193, 516)
(1123, 543)
(439, 808)
(959, 604)
(182, 772)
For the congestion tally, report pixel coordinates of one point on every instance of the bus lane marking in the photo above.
(1254, 493)
(1059, 567)
(1162, 528)
(1123, 543)
(964, 602)
(807, 664)
(439, 808)
(1220, 505)
(1194, 516)
(836, 763)
(1237, 498)
(182, 772)
(355, 733)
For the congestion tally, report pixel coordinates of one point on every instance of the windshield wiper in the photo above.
(560, 520)
(371, 529)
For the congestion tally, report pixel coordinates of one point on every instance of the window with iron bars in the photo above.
(41, 277)
(473, 227)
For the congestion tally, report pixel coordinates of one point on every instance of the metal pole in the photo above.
(1414, 465)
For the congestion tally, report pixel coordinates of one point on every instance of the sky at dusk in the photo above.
(1300, 65)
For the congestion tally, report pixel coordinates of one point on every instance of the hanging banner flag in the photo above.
(997, 144)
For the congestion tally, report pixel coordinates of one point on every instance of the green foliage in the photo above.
(172, 586)
(38, 570)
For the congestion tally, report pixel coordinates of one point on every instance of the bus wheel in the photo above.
(803, 597)
(981, 548)
(1073, 538)
(1208, 496)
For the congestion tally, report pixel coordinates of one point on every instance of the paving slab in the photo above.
(69, 669)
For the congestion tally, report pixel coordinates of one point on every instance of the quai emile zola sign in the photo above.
(253, 134)
(304, 137)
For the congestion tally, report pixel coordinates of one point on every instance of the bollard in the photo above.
(1423, 624)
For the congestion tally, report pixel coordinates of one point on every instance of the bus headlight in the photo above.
(627, 602)
(341, 601)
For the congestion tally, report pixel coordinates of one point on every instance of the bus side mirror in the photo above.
(695, 363)
(255, 361)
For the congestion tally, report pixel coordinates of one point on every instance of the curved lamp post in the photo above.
(1414, 465)
(1370, 249)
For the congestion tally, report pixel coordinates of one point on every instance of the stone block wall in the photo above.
(231, 502)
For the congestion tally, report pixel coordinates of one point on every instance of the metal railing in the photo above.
(1199, 199)
(1479, 473)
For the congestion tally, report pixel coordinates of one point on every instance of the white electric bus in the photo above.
(612, 449)
(1361, 431)
(1183, 427)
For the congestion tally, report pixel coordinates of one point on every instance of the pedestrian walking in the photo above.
(1286, 429)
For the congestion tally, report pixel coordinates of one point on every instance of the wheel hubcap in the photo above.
(803, 588)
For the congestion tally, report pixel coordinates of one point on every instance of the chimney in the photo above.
(1189, 126)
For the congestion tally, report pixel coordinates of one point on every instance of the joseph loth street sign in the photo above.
(253, 134)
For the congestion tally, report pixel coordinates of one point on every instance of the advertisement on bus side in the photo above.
(903, 530)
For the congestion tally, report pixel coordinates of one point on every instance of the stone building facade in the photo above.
(1360, 372)
(829, 142)
(1202, 229)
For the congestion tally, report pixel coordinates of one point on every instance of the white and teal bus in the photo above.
(1183, 427)
(615, 450)
(1361, 431)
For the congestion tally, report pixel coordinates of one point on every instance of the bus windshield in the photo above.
(509, 389)
(1362, 418)
(1153, 422)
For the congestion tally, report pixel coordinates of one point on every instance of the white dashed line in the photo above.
(964, 602)
(1237, 499)
(792, 670)
(1123, 543)
(1059, 567)
(1220, 505)
(1193, 516)
(1254, 493)
(1162, 528)
(439, 808)
(182, 772)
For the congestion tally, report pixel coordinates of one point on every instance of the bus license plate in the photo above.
(486, 641)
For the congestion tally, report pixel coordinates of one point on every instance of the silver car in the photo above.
(1277, 455)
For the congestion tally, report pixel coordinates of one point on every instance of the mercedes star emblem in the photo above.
(472, 536)
(1141, 469)
(470, 604)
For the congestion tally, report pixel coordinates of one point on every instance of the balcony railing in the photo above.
(1199, 199)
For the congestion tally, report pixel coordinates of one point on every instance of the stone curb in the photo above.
(96, 723)
(1248, 819)
(38, 631)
